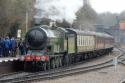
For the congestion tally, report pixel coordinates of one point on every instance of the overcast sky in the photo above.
(114, 6)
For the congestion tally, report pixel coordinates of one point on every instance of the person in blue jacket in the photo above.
(7, 46)
(1, 53)
(13, 46)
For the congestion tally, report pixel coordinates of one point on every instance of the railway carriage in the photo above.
(56, 47)
(84, 41)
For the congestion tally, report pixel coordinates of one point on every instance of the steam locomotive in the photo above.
(51, 48)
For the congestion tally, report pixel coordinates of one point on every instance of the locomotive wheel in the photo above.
(48, 65)
(60, 62)
(67, 61)
(57, 62)
(86, 56)
(98, 55)
(94, 55)
(90, 56)
(83, 58)
(44, 67)
(52, 64)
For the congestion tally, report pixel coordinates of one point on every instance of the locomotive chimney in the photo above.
(52, 24)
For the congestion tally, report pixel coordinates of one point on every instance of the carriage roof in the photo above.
(90, 33)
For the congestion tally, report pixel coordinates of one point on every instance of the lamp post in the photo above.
(26, 21)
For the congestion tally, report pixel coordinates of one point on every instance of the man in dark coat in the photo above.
(21, 47)
(13, 46)
(1, 53)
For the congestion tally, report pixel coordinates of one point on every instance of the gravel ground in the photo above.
(108, 75)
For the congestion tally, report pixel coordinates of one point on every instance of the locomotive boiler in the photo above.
(51, 48)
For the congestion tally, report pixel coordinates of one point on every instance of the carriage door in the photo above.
(71, 43)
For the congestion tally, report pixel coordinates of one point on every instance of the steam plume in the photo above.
(58, 10)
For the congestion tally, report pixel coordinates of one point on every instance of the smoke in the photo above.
(58, 10)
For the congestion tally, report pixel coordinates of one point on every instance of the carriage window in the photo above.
(82, 40)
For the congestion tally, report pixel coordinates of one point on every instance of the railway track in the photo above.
(5, 75)
(121, 59)
(57, 73)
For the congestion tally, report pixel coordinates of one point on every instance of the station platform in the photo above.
(8, 59)
(10, 64)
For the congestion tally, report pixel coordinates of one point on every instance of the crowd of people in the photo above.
(10, 47)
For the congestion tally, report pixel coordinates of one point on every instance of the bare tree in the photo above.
(13, 13)
(86, 17)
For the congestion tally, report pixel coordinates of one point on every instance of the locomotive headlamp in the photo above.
(28, 58)
(37, 58)
(43, 58)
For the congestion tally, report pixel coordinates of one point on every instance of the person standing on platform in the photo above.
(1, 54)
(10, 48)
(3, 47)
(26, 47)
(7, 46)
(21, 47)
(13, 46)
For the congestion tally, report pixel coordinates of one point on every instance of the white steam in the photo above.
(58, 10)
